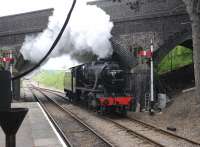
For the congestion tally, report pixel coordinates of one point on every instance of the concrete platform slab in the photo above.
(35, 130)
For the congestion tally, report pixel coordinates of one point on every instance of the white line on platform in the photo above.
(52, 126)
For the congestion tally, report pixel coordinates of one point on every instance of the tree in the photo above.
(193, 9)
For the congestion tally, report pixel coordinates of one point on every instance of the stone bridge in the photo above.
(13, 29)
(136, 22)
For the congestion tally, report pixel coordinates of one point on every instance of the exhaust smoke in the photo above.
(86, 36)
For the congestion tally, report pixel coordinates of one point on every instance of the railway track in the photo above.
(133, 132)
(50, 90)
(142, 138)
(149, 133)
(73, 130)
(162, 131)
(152, 133)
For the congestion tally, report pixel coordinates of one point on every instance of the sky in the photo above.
(10, 7)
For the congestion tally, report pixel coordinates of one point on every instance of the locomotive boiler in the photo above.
(100, 84)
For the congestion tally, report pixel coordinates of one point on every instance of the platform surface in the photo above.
(35, 130)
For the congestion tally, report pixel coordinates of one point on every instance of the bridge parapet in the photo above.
(128, 10)
(24, 23)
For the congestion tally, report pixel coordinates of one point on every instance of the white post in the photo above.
(152, 91)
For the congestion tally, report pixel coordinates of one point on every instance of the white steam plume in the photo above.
(87, 32)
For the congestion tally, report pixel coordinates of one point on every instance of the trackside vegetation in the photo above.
(51, 78)
(178, 57)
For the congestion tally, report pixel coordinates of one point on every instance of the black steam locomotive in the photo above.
(101, 84)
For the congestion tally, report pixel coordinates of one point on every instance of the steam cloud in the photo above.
(86, 36)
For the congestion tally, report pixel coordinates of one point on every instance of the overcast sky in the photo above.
(10, 7)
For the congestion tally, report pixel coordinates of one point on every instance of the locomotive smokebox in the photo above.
(5, 90)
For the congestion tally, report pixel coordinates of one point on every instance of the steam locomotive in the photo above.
(100, 84)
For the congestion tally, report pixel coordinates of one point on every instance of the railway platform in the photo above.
(36, 130)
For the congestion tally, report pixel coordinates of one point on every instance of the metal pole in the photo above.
(152, 82)
(11, 71)
(10, 141)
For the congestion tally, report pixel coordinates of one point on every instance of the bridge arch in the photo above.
(175, 69)
(179, 38)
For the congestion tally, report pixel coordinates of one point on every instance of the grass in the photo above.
(178, 57)
(51, 78)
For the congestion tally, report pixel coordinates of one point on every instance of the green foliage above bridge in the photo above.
(177, 58)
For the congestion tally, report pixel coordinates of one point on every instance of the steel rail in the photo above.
(55, 92)
(77, 119)
(162, 131)
(141, 123)
(66, 140)
(132, 132)
(46, 89)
